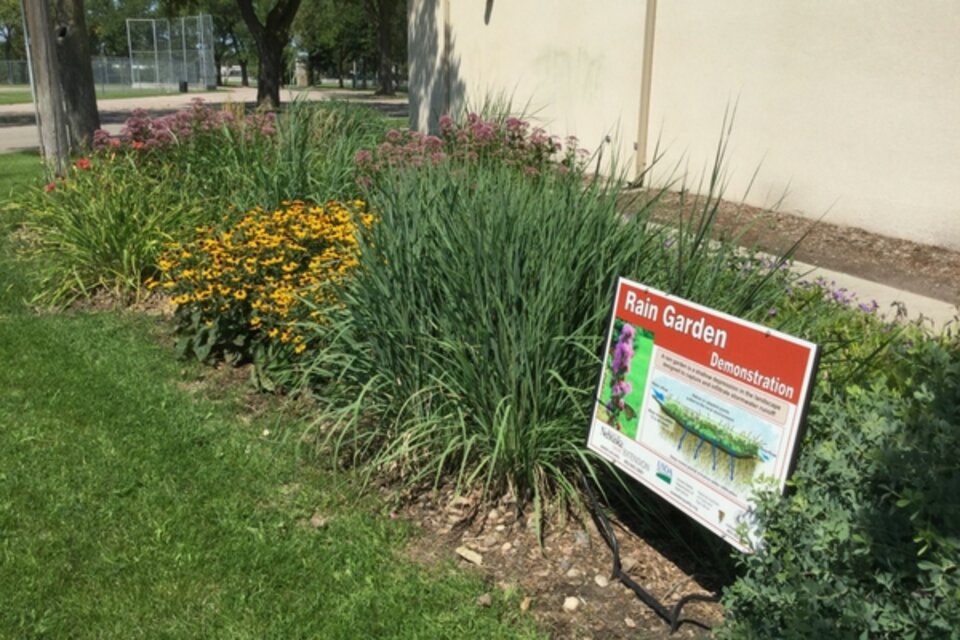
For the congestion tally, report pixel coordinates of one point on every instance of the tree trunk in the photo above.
(271, 37)
(76, 73)
(244, 74)
(384, 47)
(270, 74)
(54, 142)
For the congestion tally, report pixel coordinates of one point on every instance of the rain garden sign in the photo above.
(700, 406)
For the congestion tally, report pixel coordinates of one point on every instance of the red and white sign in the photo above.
(702, 407)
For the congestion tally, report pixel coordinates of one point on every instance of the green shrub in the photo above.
(469, 346)
(868, 542)
(241, 292)
(104, 226)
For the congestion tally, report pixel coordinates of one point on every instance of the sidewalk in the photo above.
(114, 111)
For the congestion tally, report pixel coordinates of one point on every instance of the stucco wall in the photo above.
(566, 65)
(852, 108)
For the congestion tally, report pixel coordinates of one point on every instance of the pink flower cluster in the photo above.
(142, 132)
(511, 141)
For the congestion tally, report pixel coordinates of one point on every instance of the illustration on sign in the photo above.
(702, 407)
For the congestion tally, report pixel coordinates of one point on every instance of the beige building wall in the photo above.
(570, 66)
(850, 108)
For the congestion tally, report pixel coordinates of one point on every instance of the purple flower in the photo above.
(623, 351)
(621, 389)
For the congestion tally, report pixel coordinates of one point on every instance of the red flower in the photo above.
(137, 145)
(83, 164)
(50, 187)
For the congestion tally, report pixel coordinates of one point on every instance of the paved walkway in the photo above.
(21, 132)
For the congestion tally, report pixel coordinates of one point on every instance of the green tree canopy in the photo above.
(11, 30)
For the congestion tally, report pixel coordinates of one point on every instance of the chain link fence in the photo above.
(107, 72)
(164, 53)
(174, 52)
(14, 72)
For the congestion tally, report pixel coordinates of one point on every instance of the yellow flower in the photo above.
(240, 294)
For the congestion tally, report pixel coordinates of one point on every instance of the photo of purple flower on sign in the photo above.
(625, 377)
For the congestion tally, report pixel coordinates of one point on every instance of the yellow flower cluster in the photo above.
(265, 268)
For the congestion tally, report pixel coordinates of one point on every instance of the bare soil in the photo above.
(926, 270)
(565, 581)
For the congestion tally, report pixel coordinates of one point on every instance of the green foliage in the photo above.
(867, 543)
(313, 157)
(103, 227)
(241, 292)
(468, 347)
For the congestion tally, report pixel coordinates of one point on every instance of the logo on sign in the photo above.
(637, 462)
(612, 436)
(664, 472)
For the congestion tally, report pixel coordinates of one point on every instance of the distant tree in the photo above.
(333, 33)
(386, 16)
(233, 40)
(107, 23)
(271, 33)
(11, 30)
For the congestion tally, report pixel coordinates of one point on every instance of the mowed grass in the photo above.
(134, 507)
(18, 170)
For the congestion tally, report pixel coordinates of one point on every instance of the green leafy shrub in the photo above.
(468, 347)
(868, 542)
(103, 227)
(241, 291)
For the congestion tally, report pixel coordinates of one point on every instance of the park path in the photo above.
(21, 132)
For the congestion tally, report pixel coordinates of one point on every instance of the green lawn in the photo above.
(135, 503)
(18, 170)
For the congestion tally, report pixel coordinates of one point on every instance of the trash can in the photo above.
(183, 86)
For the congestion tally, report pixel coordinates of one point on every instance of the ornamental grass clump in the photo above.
(470, 339)
(241, 291)
(102, 228)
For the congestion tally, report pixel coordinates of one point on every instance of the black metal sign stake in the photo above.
(671, 616)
